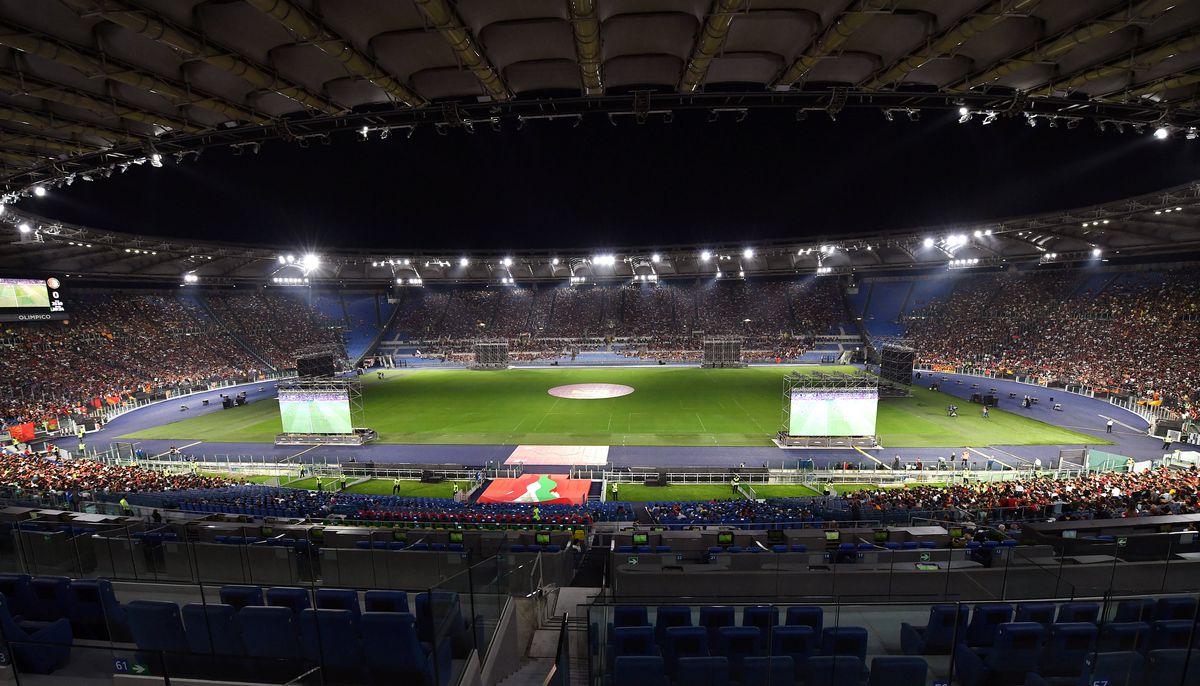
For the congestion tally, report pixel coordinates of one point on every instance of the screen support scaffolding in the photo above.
(829, 382)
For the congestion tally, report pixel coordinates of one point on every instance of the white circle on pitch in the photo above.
(590, 391)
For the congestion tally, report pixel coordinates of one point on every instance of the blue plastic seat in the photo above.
(981, 631)
(516, 548)
(1123, 668)
(624, 549)
(765, 617)
(703, 671)
(683, 641)
(35, 652)
(898, 671)
(385, 601)
(95, 612)
(15, 588)
(1042, 613)
(738, 643)
(339, 599)
(640, 670)
(1175, 608)
(634, 640)
(1123, 636)
(796, 642)
(712, 618)
(1078, 612)
(51, 597)
(552, 548)
(909, 545)
(939, 634)
(805, 615)
(271, 632)
(1067, 646)
(713, 550)
(1016, 650)
(845, 640)
(642, 549)
(799, 548)
(835, 670)
(241, 596)
(631, 615)
(213, 629)
(331, 635)
(1135, 610)
(777, 670)
(1170, 633)
(394, 653)
(295, 599)
(779, 548)
(734, 549)
(668, 616)
(1167, 667)
(157, 630)
(927, 545)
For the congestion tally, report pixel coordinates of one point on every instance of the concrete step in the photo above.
(532, 672)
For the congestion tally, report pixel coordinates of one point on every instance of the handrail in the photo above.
(560, 671)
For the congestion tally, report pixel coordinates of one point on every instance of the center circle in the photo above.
(590, 391)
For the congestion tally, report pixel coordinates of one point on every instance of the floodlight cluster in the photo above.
(645, 277)
(289, 280)
(578, 279)
(966, 262)
(139, 251)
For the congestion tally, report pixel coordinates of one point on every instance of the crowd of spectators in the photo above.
(1134, 334)
(276, 325)
(25, 475)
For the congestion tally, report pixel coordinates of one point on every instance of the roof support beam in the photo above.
(92, 67)
(1143, 11)
(996, 12)
(1153, 88)
(1145, 58)
(21, 158)
(832, 40)
(587, 44)
(63, 96)
(53, 124)
(192, 46)
(309, 29)
(39, 143)
(709, 42)
(463, 44)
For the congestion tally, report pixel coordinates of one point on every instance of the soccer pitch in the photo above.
(680, 406)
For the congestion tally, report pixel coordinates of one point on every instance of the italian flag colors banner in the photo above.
(547, 489)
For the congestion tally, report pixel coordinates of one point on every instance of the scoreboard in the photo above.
(31, 300)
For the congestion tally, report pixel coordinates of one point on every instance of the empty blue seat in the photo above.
(1016, 650)
(1067, 645)
(892, 546)
(95, 612)
(1167, 668)
(272, 632)
(15, 588)
(630, 615)
(703, 671)
(668, 616)
(633, 640)
(683, 641)
(1042, 613)
(157, 630)
(516, 548)
(1123, 668)
(734, 549)
(799, 548)
(777, 670)
(713, 550)
(866, 546)
(642, 549)
(213, 629)
(805, 615)
(835, 670)
(295, 599)
(1175, 608)
(712, 618)
(909, 545)
(947, 625)
(927, 545)
(338, 599)
(331, 635)
(552, 548)
(394, 653)
(738, 643)
(981, 631)
(241, 596)
(1078, 612)
(385, 601)
(51, 597)
(1170, 633)
(845, 640)
(35, 652)
(1121, 636)
(762, 616)
(898, 671)
(1135, 610)
(796, 642)
(458, 548)
(640, 670)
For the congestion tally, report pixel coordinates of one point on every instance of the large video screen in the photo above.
(828, 413)
(315, 412)
(31, 300)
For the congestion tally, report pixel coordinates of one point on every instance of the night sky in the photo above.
(550, 185)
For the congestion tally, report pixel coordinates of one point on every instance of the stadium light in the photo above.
(310, 262)
(282, 259)
(1161, 133)
(507, 262)
(190, 278)
(291, 259)
(719, 273)
(604, 260)
(1096, 252)
(656, 258)
(554, 262)
(928, 242)
(24, 227)
(748, 253)
(39, 191)
(705, 256)
(462, 261)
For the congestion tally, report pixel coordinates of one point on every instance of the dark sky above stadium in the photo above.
(595, 186)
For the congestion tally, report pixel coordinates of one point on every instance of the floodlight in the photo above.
(978, 233)
(655, 258)
(1096, 252)
(928, 242)
(155, 160)
(310, 262)
(291, 259)
(705, 256)
(964, 111)
(25, 227)
(718, 273)
(462, 262)
(1161, 133)
(282, 259)
(39, 191)
(507, 262)
(748, 253)
(554, 261)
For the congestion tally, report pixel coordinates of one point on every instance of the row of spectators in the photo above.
(23, 474)
(1134, 334)
(275, 325)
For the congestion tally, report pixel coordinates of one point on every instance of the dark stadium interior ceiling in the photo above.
(92, 89)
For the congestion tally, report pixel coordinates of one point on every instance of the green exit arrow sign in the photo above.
(139, 668)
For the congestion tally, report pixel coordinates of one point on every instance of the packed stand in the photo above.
(25, 475)
(276, 325)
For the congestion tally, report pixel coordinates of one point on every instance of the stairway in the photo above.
(208, 310)
(532, 672)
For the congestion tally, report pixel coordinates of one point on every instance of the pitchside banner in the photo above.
(315, 412)
(830, 413)
(545, 489)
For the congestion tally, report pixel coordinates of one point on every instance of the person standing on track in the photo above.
(1108, 427)
(396, 486)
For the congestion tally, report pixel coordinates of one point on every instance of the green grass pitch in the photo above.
(681, 406)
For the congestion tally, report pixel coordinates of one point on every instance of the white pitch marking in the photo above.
(165, 452)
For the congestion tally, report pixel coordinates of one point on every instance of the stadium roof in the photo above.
(91, 86)
(1158, 225)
